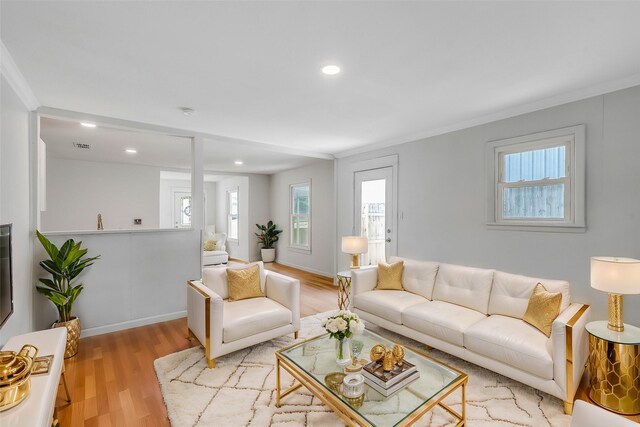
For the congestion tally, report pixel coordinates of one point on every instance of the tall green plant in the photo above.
(64, 265)
(268, 235)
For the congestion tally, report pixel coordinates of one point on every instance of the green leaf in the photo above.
(49, 247)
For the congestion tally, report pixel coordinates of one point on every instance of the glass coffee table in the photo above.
(310, 362)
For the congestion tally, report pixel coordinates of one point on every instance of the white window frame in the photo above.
(292, 246)
(573, 139)
(229, 215)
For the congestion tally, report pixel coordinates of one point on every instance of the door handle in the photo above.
(388, 240)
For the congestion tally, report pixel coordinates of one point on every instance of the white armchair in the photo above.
(223, 327)
(219, 255)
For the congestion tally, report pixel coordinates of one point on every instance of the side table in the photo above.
(614, 367)
(344, 290)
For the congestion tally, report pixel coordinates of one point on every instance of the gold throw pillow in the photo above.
(390, 276)
(244, 283)
(543, 308)
(210, 245)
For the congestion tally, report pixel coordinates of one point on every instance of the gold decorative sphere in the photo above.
(377, 352)
(398, 353)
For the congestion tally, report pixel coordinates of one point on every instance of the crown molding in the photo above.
(554, 101)
(16, 80)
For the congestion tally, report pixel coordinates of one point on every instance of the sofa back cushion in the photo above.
(419, 277)
(511, 292)
(215, 278)
(466, 286)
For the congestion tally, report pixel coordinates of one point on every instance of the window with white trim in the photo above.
(232, 215)
(300, 216)
(538, 180)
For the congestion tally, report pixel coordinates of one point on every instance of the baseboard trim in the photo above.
(99, 330)
(307, 269)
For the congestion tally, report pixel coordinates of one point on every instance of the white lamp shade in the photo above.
(615, 275)
(355, 245)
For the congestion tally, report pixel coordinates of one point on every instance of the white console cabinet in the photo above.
(37, 409)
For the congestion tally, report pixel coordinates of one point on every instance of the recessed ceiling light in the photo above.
(187, 111)
(131, 150)
(88, 125)
(331, 70)
(238, 162)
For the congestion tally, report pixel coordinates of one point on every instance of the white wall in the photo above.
(78, 190)
(14, 206)
(140, 278)
(321, 260)
(442, 202)
(259, 210)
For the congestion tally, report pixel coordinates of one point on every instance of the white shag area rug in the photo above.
(240, 391)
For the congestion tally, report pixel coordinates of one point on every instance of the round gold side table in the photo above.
(344, 289)
(614, 367)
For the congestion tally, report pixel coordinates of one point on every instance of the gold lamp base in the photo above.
(355, 261)
(615, 313)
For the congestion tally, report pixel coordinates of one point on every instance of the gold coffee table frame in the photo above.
(345, 411)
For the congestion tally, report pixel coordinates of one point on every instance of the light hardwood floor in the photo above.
(112, 380)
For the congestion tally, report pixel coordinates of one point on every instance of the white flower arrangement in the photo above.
(343, 325)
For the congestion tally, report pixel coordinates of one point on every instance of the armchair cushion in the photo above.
(513, 342)
(250, 317)
(387, 304)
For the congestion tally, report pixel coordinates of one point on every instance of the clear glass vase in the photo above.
(343, 352)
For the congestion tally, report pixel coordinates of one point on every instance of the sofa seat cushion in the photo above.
(513, 342)
(247, 317)
(441, 320)
(387, 304)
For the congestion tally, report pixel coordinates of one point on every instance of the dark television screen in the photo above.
(6, 286)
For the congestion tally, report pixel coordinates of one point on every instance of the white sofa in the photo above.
(223, 327)
(476, 315)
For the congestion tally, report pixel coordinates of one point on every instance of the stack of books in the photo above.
(389, 382)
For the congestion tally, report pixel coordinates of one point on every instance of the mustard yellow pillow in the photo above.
(209, 245)
(390, 276)
(244, 283)
(543, 309)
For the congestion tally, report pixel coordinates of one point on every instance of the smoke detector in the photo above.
(187, 111)
(81, 145)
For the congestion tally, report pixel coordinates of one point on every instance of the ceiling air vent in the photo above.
(81, 145)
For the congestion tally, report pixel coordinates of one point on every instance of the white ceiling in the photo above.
(252, 69)
(108, 144)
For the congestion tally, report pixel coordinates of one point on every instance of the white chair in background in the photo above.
(220, 254)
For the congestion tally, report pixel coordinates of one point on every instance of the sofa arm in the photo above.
(363, 280)
(204, 316)
(570, 349)
(286, 291)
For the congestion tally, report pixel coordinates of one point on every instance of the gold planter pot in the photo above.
(73, 336)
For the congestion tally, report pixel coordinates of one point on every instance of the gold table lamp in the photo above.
(355, 245)
(617, 276)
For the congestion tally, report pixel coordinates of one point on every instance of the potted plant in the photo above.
(64, 265)
(267, 237)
